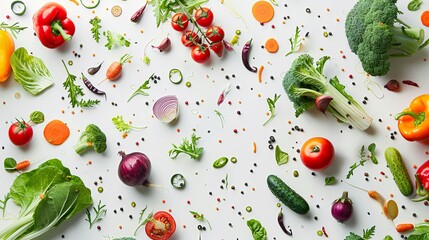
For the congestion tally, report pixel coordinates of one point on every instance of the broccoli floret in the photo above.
(304, 82)
(375, 34)
(91, 138)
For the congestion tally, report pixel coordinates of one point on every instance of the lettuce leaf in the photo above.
(30, 72)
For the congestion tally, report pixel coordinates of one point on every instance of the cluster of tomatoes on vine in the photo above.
(201, 41)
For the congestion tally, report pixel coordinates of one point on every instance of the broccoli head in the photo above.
(375, 34)
(91, 138)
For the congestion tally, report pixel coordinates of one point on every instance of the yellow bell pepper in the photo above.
(7, 46)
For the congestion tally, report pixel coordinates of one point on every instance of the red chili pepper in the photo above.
(52, 25)
(422, 182)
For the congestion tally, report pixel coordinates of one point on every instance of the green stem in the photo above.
(419, 118)
(57, 29)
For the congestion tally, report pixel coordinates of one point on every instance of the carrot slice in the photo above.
(261, 68)
(271, 45)
(56, 132)
(425, 18)
(263, 11)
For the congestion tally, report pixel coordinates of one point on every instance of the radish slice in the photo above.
(166, 109)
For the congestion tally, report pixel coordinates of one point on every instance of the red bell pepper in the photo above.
(52, 25)
(422, 182)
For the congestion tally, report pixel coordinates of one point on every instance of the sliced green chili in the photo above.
(90, 7)
(18, 7)
(178, 180)
(221, 162)
(175, 76)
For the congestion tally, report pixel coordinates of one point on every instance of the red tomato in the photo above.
(190, 38)
(163, 228)
(204, 17)
(217, 48)
(20, 133)
(317, 153)
(179, 22)
(215, 34)
(201, 53)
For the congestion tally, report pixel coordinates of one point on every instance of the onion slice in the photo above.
(166, 109)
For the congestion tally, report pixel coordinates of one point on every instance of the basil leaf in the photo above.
(281, 157)
(258, 231)
(30, 72)
(9, 164)
(371, 149)
(37, 117)
(330, 180)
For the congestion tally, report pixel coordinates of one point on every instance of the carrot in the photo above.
(261, 68)
(254, 147)
(22, 165)
(425, 18)
(404, 227)
(56, 132)
(115, 69)
(262, 11)
(271, 45)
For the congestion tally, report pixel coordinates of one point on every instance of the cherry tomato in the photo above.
(179, 22)
(215, 34)
(20, 133)
(317, 153)
(201, 53)
(204, 16)
(190, 38)
(217, 48)
(163, 228)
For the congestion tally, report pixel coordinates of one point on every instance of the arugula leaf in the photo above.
(95, 22)
(100, 212)
(258, 231)
(76, 91)
(295, 42)
(281, 157)
(122, 126)
(140, 219)
(141, 89)
(189, 148)
(371, 149)
(115, 39)
(330, 180)
(272, 107)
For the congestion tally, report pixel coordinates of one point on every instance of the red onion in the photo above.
(166, 109)
(342, 208)
(392, 85)
(134, 169)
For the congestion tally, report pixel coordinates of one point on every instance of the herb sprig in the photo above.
(200, 217)
(295, 42)
(187, 147)
(363, 158)
(95, 22)
(3, 204)
(14, 29)
(272, 107)
(100, 212)
(76, 91)
(124, 127)
(115, 39)
(142, 223)
(367, 234)
(141, 89)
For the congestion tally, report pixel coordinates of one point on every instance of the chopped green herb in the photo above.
(100, 212)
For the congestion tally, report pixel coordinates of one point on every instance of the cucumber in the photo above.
(399, 171)
(287, 195)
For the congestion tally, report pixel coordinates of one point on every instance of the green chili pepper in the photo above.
(220, 162)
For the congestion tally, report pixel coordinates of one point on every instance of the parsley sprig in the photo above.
(367, 234)
(76, 91)
(95, 22)
(100, 212)
(187, 147)
(295, 42)
(272, 107)
(14, 29)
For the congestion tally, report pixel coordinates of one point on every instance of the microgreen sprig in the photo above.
(3, 203)
(295, 42)
(141, 89)
(124, 127)
(100, 212)
(187, 147)
(272, 107)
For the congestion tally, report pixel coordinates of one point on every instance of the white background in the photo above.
(208, 81)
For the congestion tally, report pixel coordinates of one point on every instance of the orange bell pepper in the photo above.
(7, 46)
(413, 122)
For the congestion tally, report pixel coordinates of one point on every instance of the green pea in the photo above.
(188, 84)
(319, 233)
(325, 34)
(133, 204)
(70, 62)
(234, 160)
(295, 173)
(248, 208)
(220, 162)
(100, 189)
(238, 32)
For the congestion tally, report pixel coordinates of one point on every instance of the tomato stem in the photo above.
(315, 149)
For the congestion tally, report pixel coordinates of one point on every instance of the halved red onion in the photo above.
(166, 109)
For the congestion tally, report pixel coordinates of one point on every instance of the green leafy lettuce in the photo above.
(48, 196)
(30, 72)
(258, 231)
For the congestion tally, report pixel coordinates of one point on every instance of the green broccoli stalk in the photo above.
(304, 82)
(91, 138)
(375, 34)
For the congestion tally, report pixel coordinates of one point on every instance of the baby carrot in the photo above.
(115, 69)
(56, 132)
(22, 165)
(404, 227)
